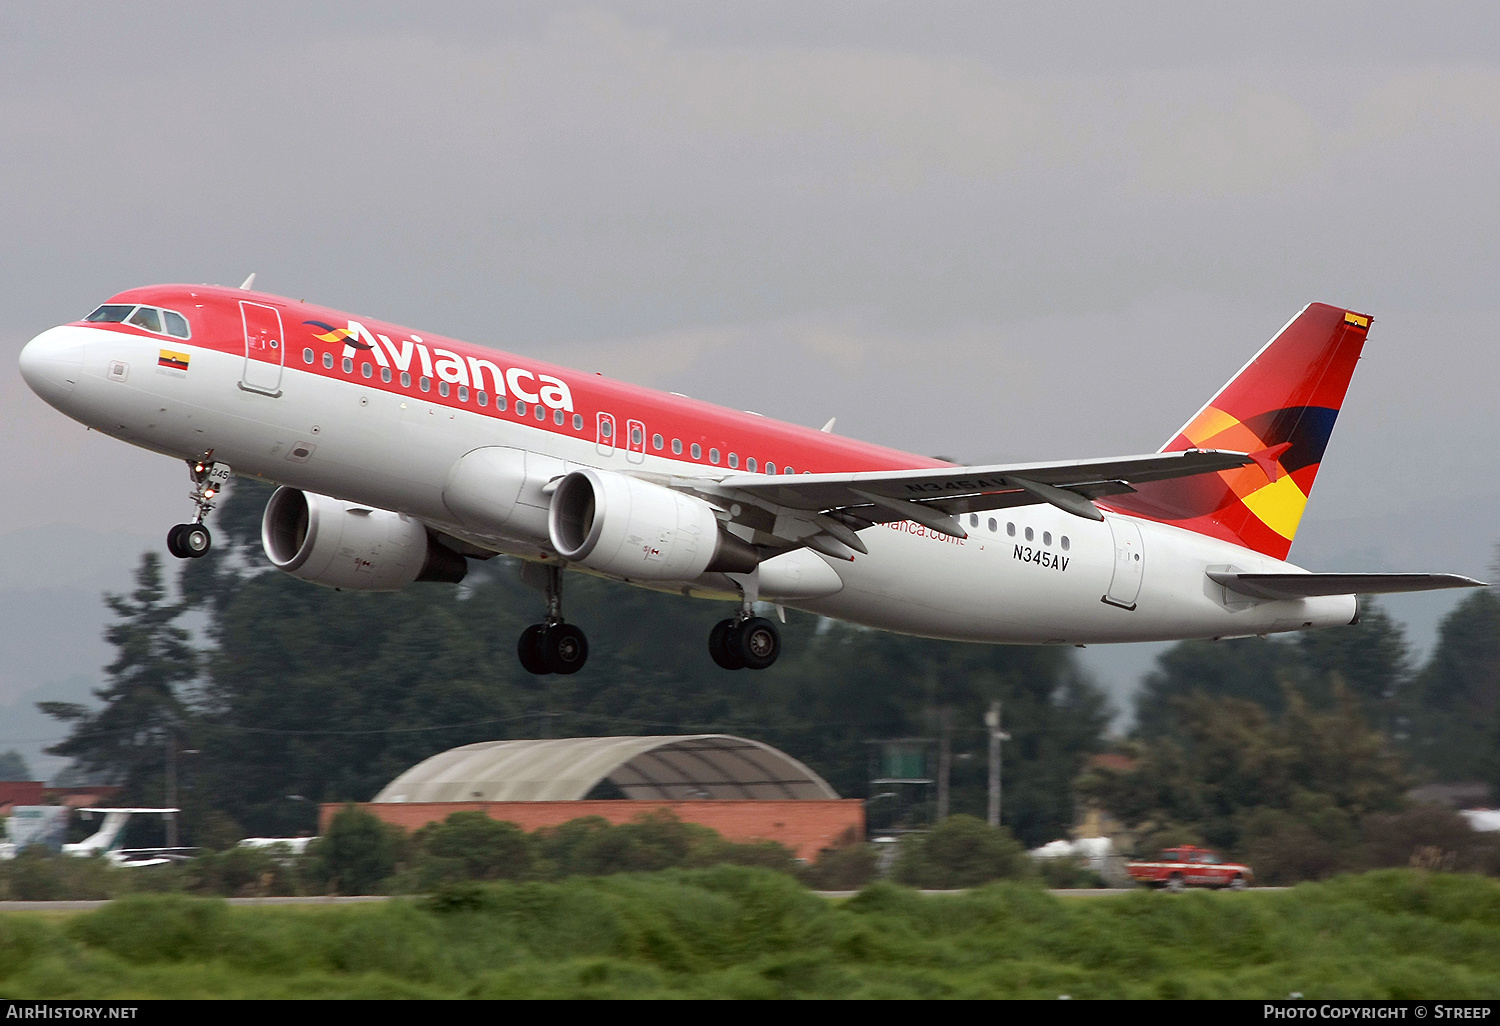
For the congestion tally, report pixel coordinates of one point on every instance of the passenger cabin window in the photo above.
(677, 447)
(750, 464)
(558, 417)
(328, 360)
(307, 356)
(973, 519)
(734, 461)
(405, 379)
(656, 442)
(482, 398)
(1065, 543)
(348, 365)
(385, 374)
(713, 455)
(1046, 537)
(993, 526)
(443, 389)
(697, 451)
(1029, 535)
(366, 369)
(463, 393)
(577, 422)
(1010, 529)
(541, 412)
(521, 409)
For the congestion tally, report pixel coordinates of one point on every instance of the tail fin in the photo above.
(1280, 409)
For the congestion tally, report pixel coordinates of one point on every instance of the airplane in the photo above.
(401, 455)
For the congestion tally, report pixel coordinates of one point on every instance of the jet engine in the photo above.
(640, 531)
(345, 545)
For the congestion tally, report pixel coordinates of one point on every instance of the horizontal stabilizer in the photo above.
(1295, 586)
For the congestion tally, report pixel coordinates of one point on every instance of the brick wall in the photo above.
(806, 826)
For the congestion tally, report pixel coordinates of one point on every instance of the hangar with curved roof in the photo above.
(674, 767)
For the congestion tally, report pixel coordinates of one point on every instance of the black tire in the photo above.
(564, 648)
(721, 650)
(174, 542)
(757, 642)
(1239, 883)
(529, 650)
(1176, 884)
(194, 540)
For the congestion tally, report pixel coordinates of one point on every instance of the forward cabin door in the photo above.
(1130, 563)
(265, 348)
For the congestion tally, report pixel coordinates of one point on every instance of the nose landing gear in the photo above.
(551, 646)
(189, 541)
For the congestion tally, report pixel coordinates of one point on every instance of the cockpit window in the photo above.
(147, 317)
(162, 322)
(110, 313)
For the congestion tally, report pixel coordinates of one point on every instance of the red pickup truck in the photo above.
(1187, 866)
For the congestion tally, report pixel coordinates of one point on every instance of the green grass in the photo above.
(740, 932)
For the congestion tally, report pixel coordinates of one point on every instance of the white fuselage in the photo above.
(1058, 578)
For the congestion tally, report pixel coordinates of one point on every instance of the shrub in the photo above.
(357, 853)
(842, 869)
(472, 846)
(961, 851)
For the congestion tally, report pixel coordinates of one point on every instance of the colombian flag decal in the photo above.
(172, 361)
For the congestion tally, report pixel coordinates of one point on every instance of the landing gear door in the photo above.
(1130, 563)
(265, 348)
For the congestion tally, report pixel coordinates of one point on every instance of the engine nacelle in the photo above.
(344, 545)
(640, 531)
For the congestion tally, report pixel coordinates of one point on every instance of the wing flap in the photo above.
(1295, 586)
(997, 484)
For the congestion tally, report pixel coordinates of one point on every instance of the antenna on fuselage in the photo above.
(826, 428)
(248, 281)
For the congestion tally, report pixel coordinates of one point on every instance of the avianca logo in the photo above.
(448, 366)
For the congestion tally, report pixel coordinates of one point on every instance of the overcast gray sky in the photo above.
(962, 229)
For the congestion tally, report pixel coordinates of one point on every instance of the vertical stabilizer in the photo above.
(1280, 409)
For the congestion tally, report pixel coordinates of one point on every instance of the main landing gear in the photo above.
(551, 646)
(189, 541)
(738, 644)
(745, 641)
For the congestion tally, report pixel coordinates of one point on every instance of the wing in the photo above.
(1294, 586)
(824, 511)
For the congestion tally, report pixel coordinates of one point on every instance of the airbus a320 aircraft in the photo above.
(401, 456)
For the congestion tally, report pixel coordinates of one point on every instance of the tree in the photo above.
(13, 766)
(1454, 705)
(1371, 660)
(1247, 781)
(142, 709)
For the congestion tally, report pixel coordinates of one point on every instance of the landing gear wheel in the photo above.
(529, 650)
(757, 642)
(189, 541)
(564, 648)
(720, 648)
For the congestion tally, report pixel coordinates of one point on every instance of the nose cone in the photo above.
(52, 363)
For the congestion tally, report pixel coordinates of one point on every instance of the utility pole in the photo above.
(171, 787)
(945, 759)
(992, 721)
